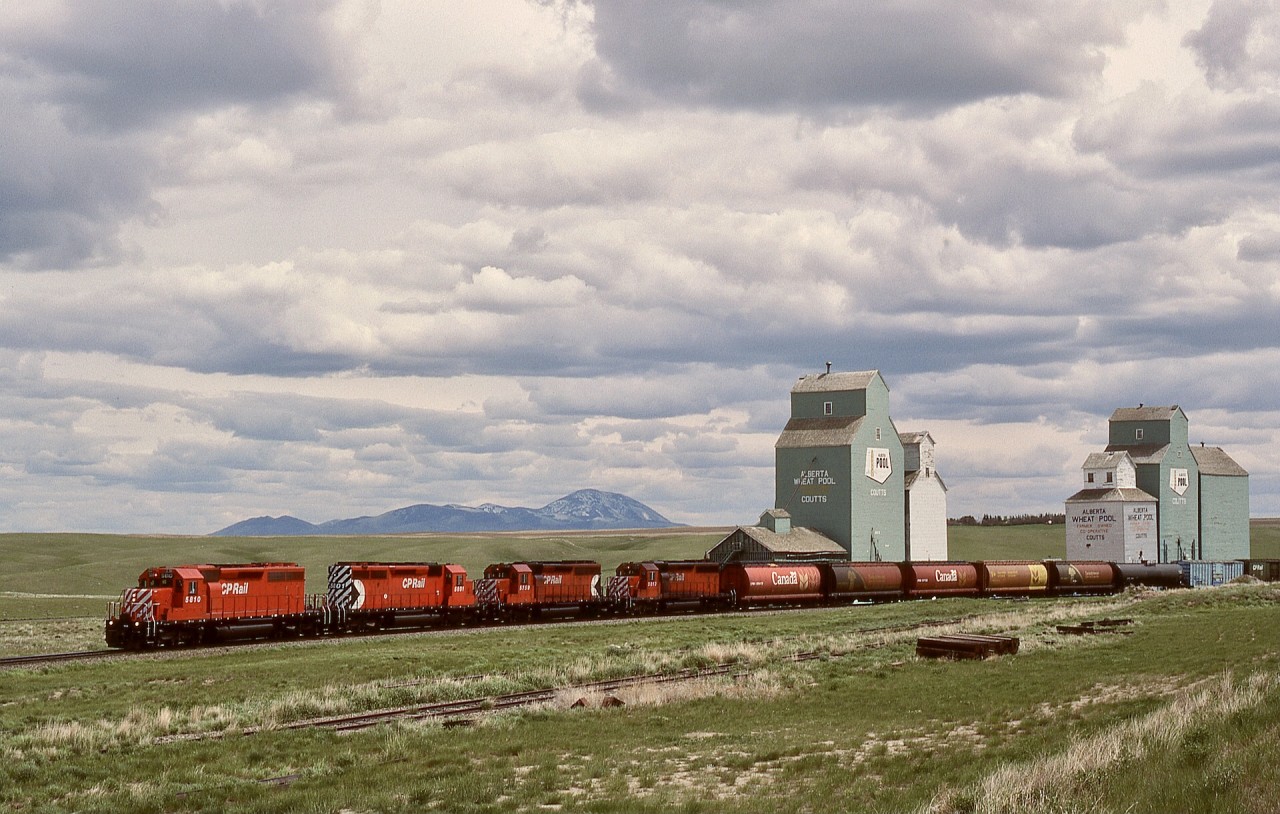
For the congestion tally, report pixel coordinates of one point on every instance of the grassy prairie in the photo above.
(1181, 714)
(1038, 542)
(54, 588)
(1264, 538)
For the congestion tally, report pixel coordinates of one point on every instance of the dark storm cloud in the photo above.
(62, 193)
(823, 53)
(87, 96)
(1212, 140)
(123, 65)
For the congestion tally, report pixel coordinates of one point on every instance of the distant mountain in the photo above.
(585, 509)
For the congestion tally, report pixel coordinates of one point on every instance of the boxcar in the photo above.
(1208, 573)
(1265, 570)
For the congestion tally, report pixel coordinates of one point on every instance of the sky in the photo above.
(331, 258)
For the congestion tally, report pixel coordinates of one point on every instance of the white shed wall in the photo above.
(927, 519)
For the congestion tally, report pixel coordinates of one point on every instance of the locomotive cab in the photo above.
(635, 582)
(459, 592)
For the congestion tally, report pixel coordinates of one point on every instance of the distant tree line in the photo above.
(1009, 520)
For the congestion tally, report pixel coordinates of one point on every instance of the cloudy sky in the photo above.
(333, 258)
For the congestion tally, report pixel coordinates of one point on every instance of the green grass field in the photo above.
(1181, 714)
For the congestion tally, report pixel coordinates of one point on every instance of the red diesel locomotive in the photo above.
(198, 604)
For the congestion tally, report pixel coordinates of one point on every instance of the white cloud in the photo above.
(494, 251)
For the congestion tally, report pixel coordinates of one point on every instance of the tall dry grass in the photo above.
(1068, 780)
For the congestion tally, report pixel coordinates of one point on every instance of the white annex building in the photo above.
(1111, 518)
(926, 497)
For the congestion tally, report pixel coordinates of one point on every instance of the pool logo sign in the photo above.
(1179, 481)
(879, 464)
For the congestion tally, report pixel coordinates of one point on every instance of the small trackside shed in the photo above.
(775, 540)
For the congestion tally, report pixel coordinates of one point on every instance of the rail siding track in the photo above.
(51, 658)
(465, 710)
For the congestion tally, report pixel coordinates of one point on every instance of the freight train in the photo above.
(203, 604)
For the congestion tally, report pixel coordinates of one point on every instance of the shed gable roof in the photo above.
(1214, 461)
(1105, 460)
(1115, 493)
(798, 541)
(1142, 453)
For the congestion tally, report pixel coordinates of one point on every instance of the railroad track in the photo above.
(50, 658)
(462, 711)
(90, 655)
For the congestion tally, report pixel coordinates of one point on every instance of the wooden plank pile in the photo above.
(1100, 626)
(965, 646)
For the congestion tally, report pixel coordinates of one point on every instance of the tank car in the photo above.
(1012, 577)
(1080, 577)
(859, 581)
(934, 579)
(1149, 574)
(771, 584)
